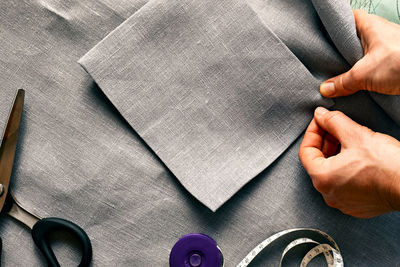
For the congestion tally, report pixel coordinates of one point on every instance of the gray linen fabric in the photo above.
(338, 20)
(391, 105)
(80, 160)
(209, 88)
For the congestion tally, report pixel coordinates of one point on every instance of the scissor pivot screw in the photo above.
(1, 189)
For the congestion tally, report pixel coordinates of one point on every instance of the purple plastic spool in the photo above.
(195, 250)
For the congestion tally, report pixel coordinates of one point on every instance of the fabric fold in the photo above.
(339, 22)
(340, 25)
(209, 87)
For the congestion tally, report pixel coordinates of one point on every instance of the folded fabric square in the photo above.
(211, 88)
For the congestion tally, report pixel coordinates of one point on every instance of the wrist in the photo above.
(394, 177)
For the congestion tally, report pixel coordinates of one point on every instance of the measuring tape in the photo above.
(330, 250)
(199, 250)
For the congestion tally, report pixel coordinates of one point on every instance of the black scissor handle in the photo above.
(42, 229)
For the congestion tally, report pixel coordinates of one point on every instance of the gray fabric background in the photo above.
(80, 160)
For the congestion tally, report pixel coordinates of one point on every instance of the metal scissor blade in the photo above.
(9, 145)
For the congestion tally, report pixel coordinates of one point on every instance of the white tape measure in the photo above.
(330, 250)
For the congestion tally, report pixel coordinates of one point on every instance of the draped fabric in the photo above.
(194, 125)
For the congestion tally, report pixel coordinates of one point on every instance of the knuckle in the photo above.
(322, 183)
(330, 203)
(300, 153)
(300, 156)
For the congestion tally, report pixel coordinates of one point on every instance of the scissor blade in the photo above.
(9, 145)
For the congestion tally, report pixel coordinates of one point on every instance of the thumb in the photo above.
(344, 129)
(347, 83)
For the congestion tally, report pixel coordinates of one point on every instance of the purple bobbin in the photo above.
(195, 250)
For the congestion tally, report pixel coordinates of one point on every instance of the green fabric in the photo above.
(389, 9)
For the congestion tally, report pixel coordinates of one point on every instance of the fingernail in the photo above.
(327, 89)
(319, 111)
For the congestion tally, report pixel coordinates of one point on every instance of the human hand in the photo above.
(355, 169)
(379, 69)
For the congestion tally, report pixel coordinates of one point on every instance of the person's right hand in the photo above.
(379, 69)
(355, 169)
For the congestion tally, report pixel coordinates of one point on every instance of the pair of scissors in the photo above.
(40, 228)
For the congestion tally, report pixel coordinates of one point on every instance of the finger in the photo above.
(310, 153)
(355, 79)
(330, 145)
(347, 83)
(314, 135)
(344, 129)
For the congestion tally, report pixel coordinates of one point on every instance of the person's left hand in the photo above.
(355, 169)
